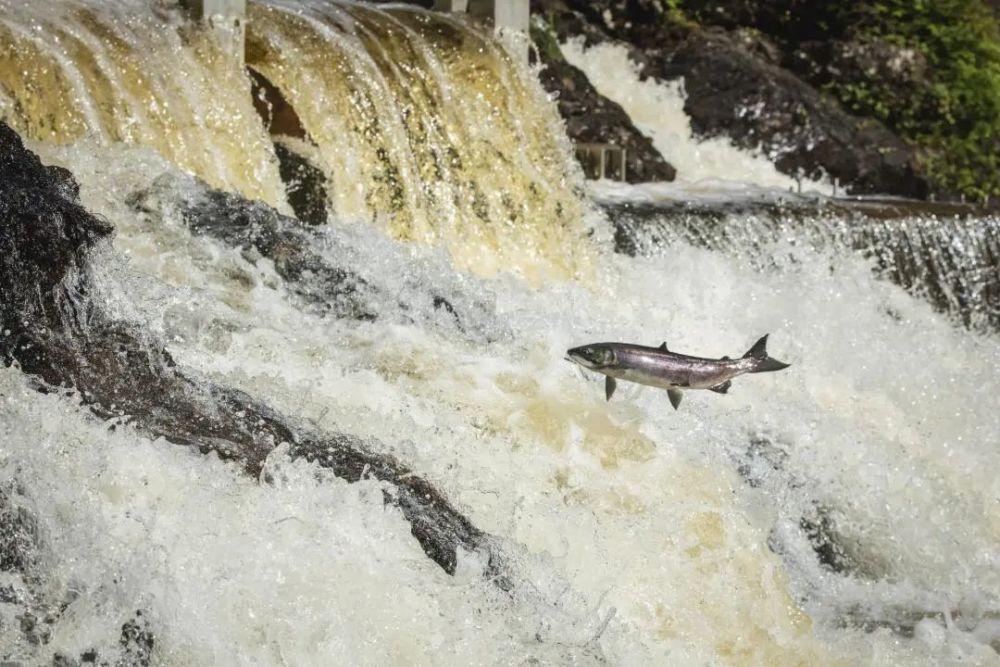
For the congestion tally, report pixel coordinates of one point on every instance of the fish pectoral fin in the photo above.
(722, 387)
(609, 387)
(663, 346)
(675, 397)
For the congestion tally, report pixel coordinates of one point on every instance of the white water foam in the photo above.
(645, 514)
(657, 110)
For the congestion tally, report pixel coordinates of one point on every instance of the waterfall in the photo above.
(133, 72)
(422, 123)
(947, 260)
(427, 126)
(843, 511)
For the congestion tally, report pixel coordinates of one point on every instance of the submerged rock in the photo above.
(33, 607)
(55, 332)
(255, 227)
(316, 265)
(18, 534)
(305, 184)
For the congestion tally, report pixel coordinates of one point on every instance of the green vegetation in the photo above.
(543, 36)
(948, 103)
(956, 113)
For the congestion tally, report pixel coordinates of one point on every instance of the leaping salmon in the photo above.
(659, 367)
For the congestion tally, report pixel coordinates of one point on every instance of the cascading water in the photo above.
(423, 125)
(949, 260)
(137, 73)
(657, 109)
(843, 511)
(420, 121)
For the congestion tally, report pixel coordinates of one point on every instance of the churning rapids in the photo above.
(496, 510)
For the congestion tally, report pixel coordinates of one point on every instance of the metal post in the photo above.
(228, 17)
(451, 6)
(512, 15)
(601, 161)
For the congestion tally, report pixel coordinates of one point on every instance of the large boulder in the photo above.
(733, 91)
(741, 84)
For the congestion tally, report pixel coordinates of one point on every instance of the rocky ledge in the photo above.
(592, 118)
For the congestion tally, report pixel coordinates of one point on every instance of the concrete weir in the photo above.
(229, 16)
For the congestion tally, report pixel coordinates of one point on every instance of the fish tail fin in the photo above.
(764, 363)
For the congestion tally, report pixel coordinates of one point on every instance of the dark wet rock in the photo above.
(821, 531)
(18, 535)
(740, 84)
(9, 595)
(731, 91)
(35, 632)
(316, 265)
(136, 642)
(822, 62)
(36, 604)
(305, 185)
(592, 118)
(278, 115)
(764, 463)
(762, 459)
(253, 226)
(642, 23)
(56, 333)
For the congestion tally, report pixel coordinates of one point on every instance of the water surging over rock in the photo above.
(54, 331)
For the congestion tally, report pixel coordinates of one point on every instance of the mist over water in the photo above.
(844, 511)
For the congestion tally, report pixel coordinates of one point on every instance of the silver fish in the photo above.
(659, 367)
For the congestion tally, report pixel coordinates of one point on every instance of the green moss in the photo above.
(675, 14)
(543, 36)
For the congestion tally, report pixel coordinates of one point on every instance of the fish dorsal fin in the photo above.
(722, 387)
(725, 359)
(759, 349)
(675, 397)
(609, 387)
(663, 346)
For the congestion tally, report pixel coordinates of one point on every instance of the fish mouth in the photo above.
(586, 356)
